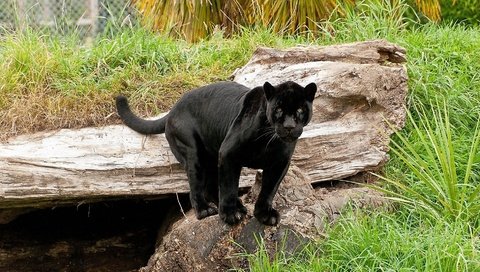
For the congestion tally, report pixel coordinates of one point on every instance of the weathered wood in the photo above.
(89, 164)
(362, 89)
(361, 86)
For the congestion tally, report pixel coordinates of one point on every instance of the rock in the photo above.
(211, 245)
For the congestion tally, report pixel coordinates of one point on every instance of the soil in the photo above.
(108, 236)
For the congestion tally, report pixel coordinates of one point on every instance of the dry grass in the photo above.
(45, 109)
(38, 111)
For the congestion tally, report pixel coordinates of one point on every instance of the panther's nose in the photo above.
(289, 129)
(289, 124)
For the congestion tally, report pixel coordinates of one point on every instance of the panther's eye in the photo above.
(278, 113)
(300, 111)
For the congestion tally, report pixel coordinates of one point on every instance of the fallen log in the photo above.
(362, 87)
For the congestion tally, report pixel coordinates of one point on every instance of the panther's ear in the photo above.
(269, 90)
(310, 91)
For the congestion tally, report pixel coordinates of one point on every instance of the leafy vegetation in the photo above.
(465, 11)
(196, 19)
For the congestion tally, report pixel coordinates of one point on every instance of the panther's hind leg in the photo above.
(197, 179)
(189, 153)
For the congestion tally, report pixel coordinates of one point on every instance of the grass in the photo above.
(381, 241)
(399, 242)
(51, 82)
(443, 182)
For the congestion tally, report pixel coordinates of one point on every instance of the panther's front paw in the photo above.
(205, 211)
(267, 216)
(234, 215)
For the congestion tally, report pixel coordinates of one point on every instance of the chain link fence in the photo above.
(86, 17)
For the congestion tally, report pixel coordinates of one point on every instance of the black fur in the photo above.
(217, 129)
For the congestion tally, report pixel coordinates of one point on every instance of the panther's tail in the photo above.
(138, 124)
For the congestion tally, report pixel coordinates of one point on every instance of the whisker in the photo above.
(271, 139)
(268, 132)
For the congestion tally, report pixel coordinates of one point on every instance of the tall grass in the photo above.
(443, 180)
(368, 19)
(381, 241)
(197, 19)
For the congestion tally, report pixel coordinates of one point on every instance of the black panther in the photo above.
(217, 129)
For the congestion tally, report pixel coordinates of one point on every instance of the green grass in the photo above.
(399, 242)
(381, 241)
(50, 82)
(442, 180)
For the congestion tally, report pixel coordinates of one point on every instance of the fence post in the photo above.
(93, 9)
(21, 14)
(47, 14)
